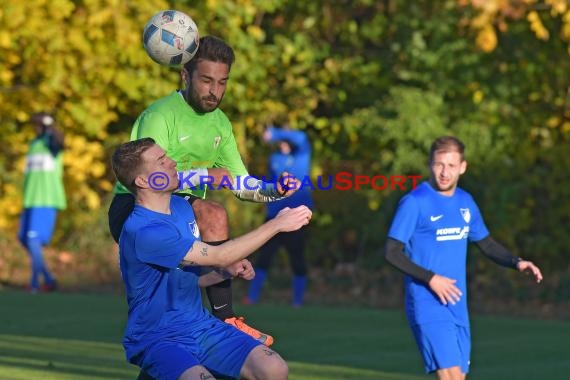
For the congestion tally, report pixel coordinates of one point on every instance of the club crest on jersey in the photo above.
(217, 140)
(194, 228)
(466, 214)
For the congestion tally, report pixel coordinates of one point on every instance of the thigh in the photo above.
(294, 243)
(37, 222)
(224, 349)
(168, 360)
(121, 207)
(443, 345)
(264, 363)
(267, 252)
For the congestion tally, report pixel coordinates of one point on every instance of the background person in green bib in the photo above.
(44, 195)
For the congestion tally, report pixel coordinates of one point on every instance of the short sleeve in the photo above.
(161, 244)
(406, 219)
(477, 228)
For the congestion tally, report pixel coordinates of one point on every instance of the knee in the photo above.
(212, 218)
(278, 370)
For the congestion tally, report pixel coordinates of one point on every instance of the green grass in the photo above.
(77, 336)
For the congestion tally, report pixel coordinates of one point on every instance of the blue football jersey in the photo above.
(164, 298)
(435, 230)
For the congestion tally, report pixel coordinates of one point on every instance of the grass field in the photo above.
(77, 337)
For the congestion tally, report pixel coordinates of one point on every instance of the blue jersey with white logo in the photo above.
(164, 299)
(435, 230)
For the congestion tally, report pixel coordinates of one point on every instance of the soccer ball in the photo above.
(171, 38)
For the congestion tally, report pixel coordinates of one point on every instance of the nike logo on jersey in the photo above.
(435, 218)
(219, 307)
(183, 138)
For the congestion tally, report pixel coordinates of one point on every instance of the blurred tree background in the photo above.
(372, 81)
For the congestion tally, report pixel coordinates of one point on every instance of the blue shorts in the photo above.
(443, 345)
(222, 349)
(37, 222)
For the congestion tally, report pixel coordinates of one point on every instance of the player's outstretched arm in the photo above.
(502, 256)
(228, 253)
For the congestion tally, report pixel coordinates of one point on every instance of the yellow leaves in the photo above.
(92, 200)
(6, 77)
(478, 96)
(537, 26)
(493, 16)
(5, 40)
(256, 32)
(60, 9)
(565, 32)
(211, 4)
(487, 39)
(557, 6)
(553, 122)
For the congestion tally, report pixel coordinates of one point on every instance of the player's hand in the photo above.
(266, 135)
(445, 289)
(529, 268)
(291, 219)
(242, 269)
(287, 184)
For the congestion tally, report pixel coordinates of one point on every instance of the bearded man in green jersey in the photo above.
(195, 133)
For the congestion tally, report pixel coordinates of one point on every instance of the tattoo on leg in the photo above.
(269, 352)
(204, 251)
(204, 376)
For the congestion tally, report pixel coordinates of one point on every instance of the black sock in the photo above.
(220, 294)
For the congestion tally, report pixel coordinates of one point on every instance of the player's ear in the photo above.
(185, 77)
(140, 182)
(463, 167)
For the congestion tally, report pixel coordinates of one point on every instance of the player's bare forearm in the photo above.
(213, 277)
(219, 175)
(239, 248)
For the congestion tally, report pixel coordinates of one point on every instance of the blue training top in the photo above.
(164, 300)
(298, 163)
(434, 229)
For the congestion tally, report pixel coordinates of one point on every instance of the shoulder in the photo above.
(181, 205)
(421, 193)
(172, 98)
(464, 195)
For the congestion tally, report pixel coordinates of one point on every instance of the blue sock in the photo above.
(256, 285)
(299, 286)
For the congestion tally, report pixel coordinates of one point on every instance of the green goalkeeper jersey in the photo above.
(193, 140)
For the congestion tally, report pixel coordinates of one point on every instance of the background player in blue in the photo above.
(428, 242)
(293, 156)
(169, 333)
